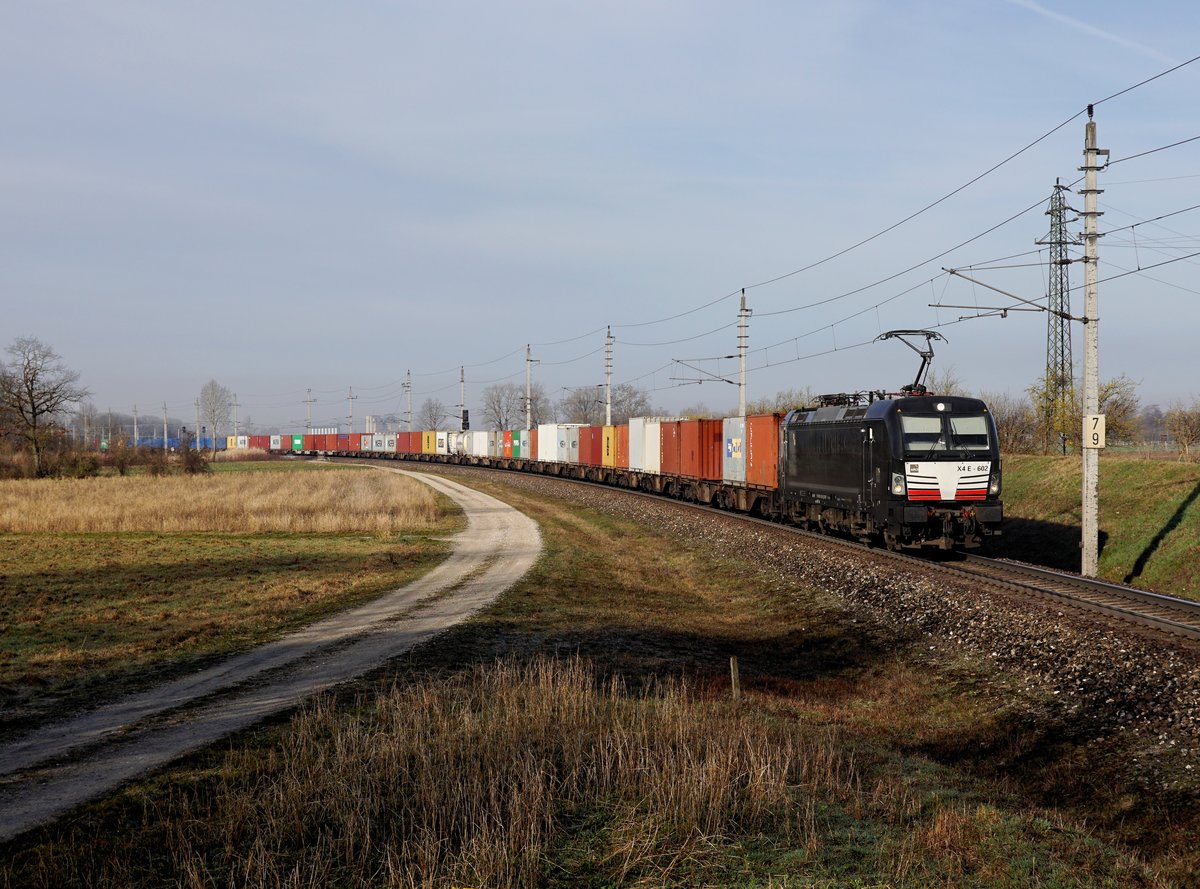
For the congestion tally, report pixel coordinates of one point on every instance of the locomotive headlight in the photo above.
(898, 486)
(994, 483)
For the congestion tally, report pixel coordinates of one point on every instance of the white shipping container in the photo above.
(525, 455)
(733, 462)
(363, 442)
(389, 443)
(276, 442)
(243, 441)
(377, 443)
(477, 444)
(652, 459)
(645, 444)
(637, 444)
(567, 446)
(495, 444)
(547, 442)
(443, 442)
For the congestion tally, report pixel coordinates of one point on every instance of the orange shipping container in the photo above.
(669, 449)
(533, 443)
(508, 443)
(762, 450)
(623, 446)
(700, 448)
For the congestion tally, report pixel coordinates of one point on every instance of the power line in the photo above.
(1121, 160)
(1147, 80)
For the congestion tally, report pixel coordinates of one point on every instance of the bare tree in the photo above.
(1119, 403)
(1017, 423)
(502, 406)
(946, 382)
(1182, 423)
(216, 405)
(628, 401)
(697, 411)
(431, 414)
(781, 402)
(584, 405)
(36, 388)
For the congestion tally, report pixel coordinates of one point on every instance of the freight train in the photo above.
(905, 471)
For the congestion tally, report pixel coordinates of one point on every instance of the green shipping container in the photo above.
(516, 444)
(297, 442)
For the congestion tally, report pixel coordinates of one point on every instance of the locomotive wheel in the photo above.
(889, 540)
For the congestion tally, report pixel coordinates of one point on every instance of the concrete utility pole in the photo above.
(197, 424)
(1093, 422)
(235, 423)
(135, 429)
(608, 378)
(408, 397)
(743, 338)
(165, 447)
(528, 387)
(462, 396)
(350, 396)
(308, 403)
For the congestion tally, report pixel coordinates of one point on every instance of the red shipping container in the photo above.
(402, 439)
(591, 445)
(669, 450)
(508, 443)
(623, 446)
(310, 443)
(701, 449)
(340, 442)
(533, 437)
(261, 442)
(762, 450)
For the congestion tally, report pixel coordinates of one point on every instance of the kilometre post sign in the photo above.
(1093, 431)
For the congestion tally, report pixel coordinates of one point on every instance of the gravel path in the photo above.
(56, 768)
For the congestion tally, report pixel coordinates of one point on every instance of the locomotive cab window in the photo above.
(968, 433)
(941, 433)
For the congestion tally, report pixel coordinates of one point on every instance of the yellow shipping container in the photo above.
(428, 442)
(609, 457)
(230, 442)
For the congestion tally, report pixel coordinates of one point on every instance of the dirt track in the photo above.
(50, 771)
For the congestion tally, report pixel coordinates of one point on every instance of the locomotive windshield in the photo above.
(945, 433)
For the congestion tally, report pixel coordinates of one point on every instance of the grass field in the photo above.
(111, 583)
(580, 733)
(1149, 518)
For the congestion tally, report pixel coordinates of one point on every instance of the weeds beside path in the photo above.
(495, 551)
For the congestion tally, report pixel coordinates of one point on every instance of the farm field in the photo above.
(596, 695)
(110, 584)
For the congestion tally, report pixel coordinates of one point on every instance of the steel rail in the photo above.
(1082, 593)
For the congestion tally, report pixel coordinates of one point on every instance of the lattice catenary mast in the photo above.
(1060, 368)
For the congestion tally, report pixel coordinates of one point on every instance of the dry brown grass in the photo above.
(475, 781)
(242, 455)
(244, 502)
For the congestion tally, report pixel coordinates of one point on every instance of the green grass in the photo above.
(87, 616)
(938, 770)
(1149, 518)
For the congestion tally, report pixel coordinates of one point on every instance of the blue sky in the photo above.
(292, 195)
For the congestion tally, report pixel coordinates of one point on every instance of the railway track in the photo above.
(1178, 617)
(1165, 614)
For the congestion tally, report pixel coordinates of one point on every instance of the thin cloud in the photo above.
(1092, 30)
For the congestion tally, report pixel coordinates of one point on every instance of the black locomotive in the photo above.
(910, 471)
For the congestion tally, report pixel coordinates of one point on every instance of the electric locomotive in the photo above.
(913, 470)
